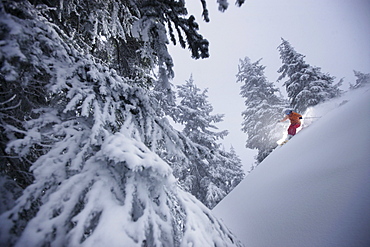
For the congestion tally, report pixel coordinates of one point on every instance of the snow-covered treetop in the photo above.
(306, 85)
(263, 107)
(362, 79)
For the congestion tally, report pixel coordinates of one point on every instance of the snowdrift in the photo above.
(314, 190)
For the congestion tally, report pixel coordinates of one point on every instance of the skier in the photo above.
(295, 122)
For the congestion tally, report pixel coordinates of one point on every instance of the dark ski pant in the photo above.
(292, 130)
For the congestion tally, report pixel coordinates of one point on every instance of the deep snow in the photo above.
(314, 190)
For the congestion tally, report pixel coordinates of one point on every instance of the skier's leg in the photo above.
(292, 130)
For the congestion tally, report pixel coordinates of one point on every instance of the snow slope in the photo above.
(314, 190)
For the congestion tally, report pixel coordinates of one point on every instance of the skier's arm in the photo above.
(285, 118)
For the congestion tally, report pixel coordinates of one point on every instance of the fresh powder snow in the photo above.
(314, 190)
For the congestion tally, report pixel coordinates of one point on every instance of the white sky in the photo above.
(332, 34)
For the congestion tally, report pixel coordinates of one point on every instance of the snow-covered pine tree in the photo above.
(232, 170)
(90, 138)
(223, 171)
(210, 175)
(263, 108)
(306, 85)
(99, 27)
(362, 79)
(9, 192)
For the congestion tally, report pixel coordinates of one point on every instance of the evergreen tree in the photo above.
(306, 85)
(129, 36)
(96, 146)
(263, 108)
(9, 192)
(100, 27)
(233, 172)
(194, 112)
(211, 173)
(362, 79)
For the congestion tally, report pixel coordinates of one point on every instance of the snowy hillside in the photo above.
(314, 190)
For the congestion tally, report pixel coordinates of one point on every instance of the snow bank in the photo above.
(313, 191)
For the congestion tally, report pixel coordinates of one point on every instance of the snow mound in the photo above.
(314, 190)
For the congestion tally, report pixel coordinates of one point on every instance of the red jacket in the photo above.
(293, 117)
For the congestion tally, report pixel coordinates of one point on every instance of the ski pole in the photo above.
(311, 117)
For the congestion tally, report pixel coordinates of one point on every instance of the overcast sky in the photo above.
(332, 34)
